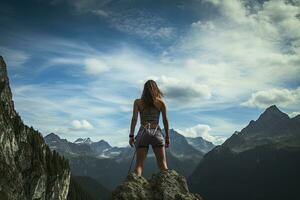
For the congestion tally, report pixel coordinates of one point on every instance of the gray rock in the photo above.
(28, 168)
(165, 185)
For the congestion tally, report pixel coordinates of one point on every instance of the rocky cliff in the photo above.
(28, 168)
(167, 185)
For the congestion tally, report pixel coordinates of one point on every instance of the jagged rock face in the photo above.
(167, 185)
(28, 168)
(272, 126)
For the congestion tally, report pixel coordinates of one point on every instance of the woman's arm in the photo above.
(134, 117)
(165, 119)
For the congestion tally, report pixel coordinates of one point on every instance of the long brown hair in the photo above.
(150, 92)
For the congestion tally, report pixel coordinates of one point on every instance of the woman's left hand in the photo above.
(167, 142)
(131, 141)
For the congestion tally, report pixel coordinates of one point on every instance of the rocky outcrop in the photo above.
(28, 168)
(166, 185)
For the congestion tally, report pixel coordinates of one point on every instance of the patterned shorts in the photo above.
(146, 136)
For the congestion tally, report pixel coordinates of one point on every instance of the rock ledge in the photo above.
(167, 185)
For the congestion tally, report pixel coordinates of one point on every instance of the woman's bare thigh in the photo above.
(141, 154)
(160, 155)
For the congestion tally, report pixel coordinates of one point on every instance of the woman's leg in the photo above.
(141, 154)
(160, 155)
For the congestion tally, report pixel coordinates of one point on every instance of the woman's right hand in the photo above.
(167, 142)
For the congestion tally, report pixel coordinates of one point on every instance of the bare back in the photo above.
(150, 114)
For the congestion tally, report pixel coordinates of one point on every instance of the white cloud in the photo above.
(279, 96)
(242, 51)
(81, 125)
(180, 89)
(95, 66)
(234, 10)
(202, 130)
(294, 114)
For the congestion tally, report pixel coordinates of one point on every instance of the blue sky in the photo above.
(76, 66)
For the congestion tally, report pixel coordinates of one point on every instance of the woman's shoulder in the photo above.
(160, 100)
(138, 101)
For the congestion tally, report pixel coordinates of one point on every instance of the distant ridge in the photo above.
(99, 159)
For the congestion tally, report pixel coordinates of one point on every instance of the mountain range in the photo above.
(261, 161)
(182, 147)
(97, 159)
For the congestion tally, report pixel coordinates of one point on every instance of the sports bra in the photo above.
(149, 115)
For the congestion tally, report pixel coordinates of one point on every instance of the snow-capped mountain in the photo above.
(83, 141)
(181, 148)
(99, 159)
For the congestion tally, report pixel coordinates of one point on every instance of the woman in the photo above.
(149, 105)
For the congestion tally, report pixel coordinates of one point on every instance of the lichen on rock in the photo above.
(164, 185)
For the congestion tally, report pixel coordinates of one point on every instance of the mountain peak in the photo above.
(52, 136)
(272, 126)
(5, 91)
(273, 109)
(3, 74)
(102, 142)
(83, 141)
(297, 117)
(272, 113)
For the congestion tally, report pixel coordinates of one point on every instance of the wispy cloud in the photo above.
(133, 21)
(14, 58)
(83, 6)
(143, 24)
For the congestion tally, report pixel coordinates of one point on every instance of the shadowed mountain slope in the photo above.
(262, 161)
